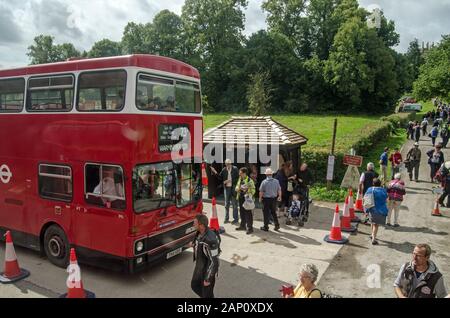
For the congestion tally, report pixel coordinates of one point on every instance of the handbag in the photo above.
(249, 203)
(369, 201)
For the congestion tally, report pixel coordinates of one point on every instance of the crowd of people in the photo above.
(282, 193)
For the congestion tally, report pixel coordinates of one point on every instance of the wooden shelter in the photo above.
(244, 139)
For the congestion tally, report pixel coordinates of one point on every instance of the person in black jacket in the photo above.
(303, 180)
(229, 176)
(206, 257)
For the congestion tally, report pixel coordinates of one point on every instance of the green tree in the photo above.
(415, 57)
(168, 35)
(66, 51)
(273, 53)
(346, 69)
(383, 88)
(258, 94)
(214, 36)
(289, 18)
(105, 48)
(43, 50)
(137, 38)
(434, 79)
(404, 72)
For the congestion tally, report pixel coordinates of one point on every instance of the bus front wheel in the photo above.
(56, 246)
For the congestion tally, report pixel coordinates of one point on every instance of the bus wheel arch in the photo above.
(55, 244)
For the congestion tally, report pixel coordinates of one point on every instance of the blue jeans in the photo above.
(230, 199)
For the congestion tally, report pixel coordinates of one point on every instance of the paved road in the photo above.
(358, 261)
(251, 266)
(257, 265)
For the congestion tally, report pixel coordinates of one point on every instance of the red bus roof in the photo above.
(155, 62)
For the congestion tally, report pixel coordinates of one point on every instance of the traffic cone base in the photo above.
(10, 280)
(436, 211)
(12, 272)
(343, 240)
(350, 229)
(87, 293)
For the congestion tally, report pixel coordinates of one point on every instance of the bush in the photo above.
(321, 193)
(400, 120)
(370, 136)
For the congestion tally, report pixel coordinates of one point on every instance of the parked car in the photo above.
(410, 108)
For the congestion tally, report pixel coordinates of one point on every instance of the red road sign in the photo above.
(353, 160)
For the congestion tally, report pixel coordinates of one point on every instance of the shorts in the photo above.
(376, 218)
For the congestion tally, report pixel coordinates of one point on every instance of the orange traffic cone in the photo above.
(359, 203)
(351, 207)
(346, 225)
(214, 221)
(74, 283)
(335, 233)
(12, 272)
(436, 211)
(204, 175)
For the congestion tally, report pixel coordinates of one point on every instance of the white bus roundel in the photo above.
(5, 174)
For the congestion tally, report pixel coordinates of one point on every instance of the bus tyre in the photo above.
(56, 246)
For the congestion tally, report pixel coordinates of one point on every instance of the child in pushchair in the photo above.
(298, 212)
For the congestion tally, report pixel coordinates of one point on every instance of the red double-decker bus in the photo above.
(86, 159)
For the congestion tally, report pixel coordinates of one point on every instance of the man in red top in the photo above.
(396, 160)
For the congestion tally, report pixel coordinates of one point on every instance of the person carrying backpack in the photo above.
(434, 134)
(366, 181)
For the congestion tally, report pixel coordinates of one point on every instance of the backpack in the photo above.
(434, 132)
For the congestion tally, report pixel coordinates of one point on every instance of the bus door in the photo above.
(102, 223)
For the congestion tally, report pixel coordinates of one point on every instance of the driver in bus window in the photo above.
(110, 187)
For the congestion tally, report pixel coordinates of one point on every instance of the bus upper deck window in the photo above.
(50, 94)
(101, 91)
(12, 92)
(167, 95)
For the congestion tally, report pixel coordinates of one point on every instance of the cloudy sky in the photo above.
(83, 22)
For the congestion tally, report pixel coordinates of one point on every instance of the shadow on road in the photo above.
(406, 229)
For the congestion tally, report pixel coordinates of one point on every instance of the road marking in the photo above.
(5, 174)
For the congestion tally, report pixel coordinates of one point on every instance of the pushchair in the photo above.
(298, 212)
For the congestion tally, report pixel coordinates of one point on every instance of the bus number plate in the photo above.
(174, 253)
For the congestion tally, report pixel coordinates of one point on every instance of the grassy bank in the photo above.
(318, 128)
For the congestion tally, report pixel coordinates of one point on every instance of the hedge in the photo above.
(369, 136)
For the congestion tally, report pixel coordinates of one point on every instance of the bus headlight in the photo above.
(139, 246)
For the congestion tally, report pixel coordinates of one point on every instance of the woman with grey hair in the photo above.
(308, 277)
(366, 182)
